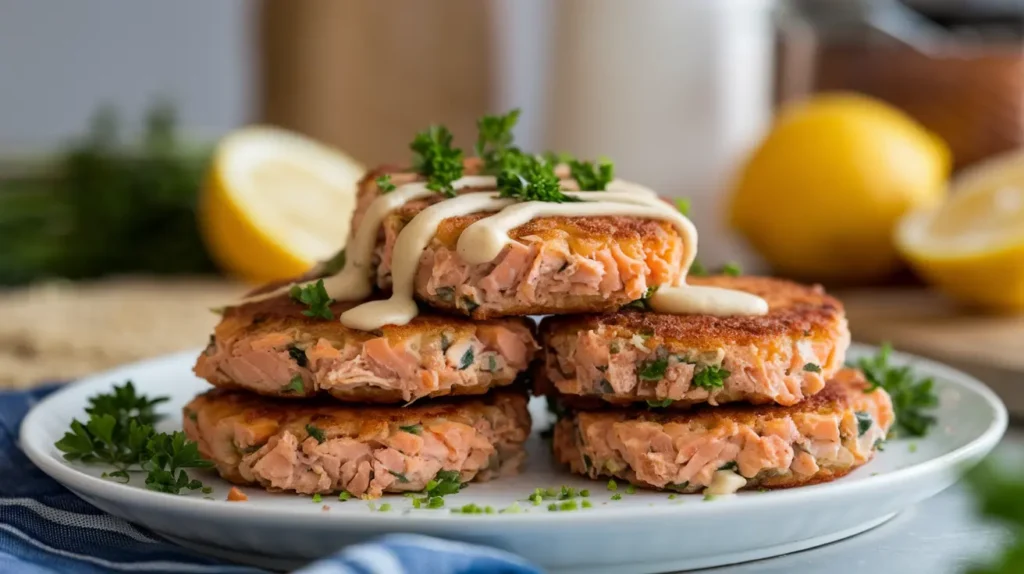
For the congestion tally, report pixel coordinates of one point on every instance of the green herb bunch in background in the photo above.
(104, 206)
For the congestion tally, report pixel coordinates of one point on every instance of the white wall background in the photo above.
(60, 60)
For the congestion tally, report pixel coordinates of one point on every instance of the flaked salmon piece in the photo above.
(820, 439)
(635, 356)
(553, 265)
(270, 348)
(366, 451)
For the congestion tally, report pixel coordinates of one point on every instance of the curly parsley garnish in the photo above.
(533, 181)
(436, 159)
(710, 377)
(911, 396)
(316, 297)
(384, 183)
(592, 176)
(494, 141)
(120, 433)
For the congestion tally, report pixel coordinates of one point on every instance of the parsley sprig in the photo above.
(436, 159)
(494, 141)
(316, 297)
(592, 176)
(911, 396)
(120, 433)
(535, 180)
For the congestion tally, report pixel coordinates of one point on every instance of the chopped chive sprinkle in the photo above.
(616, 496)
(344, 496)
(317, 497)
(569, 505)
(612, 485)
(587, 504)
(584, 493)
(631, 489)
(672, 497)
(552, 507)
(384, 507)
(207, 489)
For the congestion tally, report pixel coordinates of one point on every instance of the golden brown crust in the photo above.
(354, 420)
(794, 309)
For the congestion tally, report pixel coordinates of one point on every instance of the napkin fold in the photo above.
(46, 529)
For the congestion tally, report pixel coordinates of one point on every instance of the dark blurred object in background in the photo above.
(957, 66)
(104, 206)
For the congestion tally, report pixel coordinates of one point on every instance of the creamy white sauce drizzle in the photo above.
(484, 240)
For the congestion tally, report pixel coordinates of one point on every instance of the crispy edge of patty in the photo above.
(796, 312)
(845, 394)
(282, 315)
(255, 423)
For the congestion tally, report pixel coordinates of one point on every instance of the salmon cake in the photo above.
(683, 360)
(269, 347)
(322, 447)
(724, 449)
(553, 265)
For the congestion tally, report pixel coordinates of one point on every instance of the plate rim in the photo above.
(43, 457)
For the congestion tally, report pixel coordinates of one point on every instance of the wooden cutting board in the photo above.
(917, 321)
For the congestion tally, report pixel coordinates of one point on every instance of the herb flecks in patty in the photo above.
(316, 433)
(711, 377)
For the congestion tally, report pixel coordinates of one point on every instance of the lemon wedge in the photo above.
(972, 246)
(275, 203)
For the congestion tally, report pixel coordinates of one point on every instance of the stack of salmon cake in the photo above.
(708, 402)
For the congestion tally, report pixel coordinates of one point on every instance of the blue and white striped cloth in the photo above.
(44, 528)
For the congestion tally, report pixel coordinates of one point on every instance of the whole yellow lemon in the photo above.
(820, 196)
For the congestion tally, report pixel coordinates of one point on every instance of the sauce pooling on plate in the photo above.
(485, 239)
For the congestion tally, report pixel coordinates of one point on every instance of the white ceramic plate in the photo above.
(644, 532)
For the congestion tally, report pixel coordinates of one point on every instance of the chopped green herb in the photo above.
(298, 355)
(492, 364)
(616, 496)
(709, 497)
(317, 497)
(412, 429)
(488, 510)
(612, 485)
(566, 493)
(552, 507)
(586, 504)
(316, 433)
(444, 482)
(384, 183)
(494, 140)
(592, 176)
(653, 369)
(659, 404)
(344, 496)
(385, 507)
(467, 359)
(864, 422)
(672, 496)
(568, 505)
(445, 342)
(710, 377)
(207, 489)
(435, 502)
(683, 205)
(912, 447)
(446, 294)
(643, 303)
(401, 477)
(315, 297)
(584, 493)
(436, 159)
(295, 386)
(536, 499)
(469, 304)
(732, 269)
(514, 508)
(911, 396)
(534, 181)
(812, 367)
(630, 489)
(679, 486)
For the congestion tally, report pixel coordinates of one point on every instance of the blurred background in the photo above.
(111, 112)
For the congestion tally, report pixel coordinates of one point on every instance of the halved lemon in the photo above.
(275, 203)
(972, 246)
